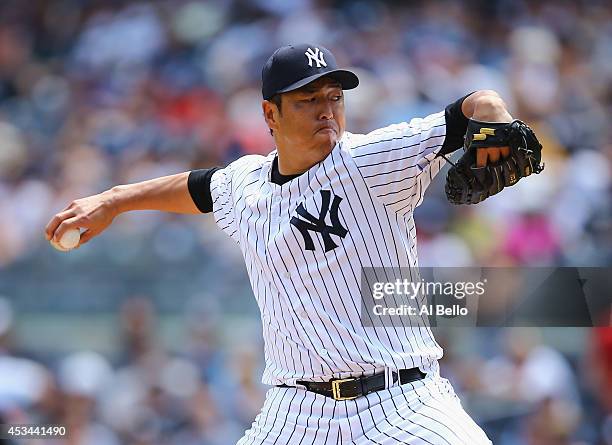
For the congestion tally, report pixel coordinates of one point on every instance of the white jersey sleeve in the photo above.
(398, 162)
(226, 187)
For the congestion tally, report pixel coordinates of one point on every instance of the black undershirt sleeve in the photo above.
(198, 183)
(199, 188)
(456, 126)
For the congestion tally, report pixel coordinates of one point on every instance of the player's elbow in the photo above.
(489, 98)
(489, 104)
(485, 93)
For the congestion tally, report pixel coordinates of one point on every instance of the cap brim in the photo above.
(348, 80)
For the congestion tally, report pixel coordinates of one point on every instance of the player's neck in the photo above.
(288, 166)
(292, 161)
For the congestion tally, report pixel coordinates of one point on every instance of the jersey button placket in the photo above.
(274, 209)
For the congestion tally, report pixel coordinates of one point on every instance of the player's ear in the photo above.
(270, 112)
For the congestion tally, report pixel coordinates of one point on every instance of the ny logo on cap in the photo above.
(316, 56)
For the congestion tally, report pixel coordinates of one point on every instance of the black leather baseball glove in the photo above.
(468, 184)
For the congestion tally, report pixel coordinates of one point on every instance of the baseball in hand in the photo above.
(69, 240)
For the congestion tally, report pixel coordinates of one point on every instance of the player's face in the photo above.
(311, 119)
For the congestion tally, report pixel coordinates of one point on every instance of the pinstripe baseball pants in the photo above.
(422, 412)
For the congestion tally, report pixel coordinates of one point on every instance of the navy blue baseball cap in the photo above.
(293, 66)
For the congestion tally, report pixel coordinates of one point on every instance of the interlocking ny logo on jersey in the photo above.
(315, 224)
(315, 56)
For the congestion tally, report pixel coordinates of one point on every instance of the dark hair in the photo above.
(276, 100)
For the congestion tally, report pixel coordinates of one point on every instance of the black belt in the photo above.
(353, 387)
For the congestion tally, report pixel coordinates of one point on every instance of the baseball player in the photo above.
(308, 217)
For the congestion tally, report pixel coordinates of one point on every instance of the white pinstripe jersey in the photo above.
(309, 298)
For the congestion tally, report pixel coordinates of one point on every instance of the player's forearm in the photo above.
(486, 106)
(167, 193)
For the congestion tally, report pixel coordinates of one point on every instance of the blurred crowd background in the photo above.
(149, 334)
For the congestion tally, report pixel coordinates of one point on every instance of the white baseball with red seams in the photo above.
(69, 240)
